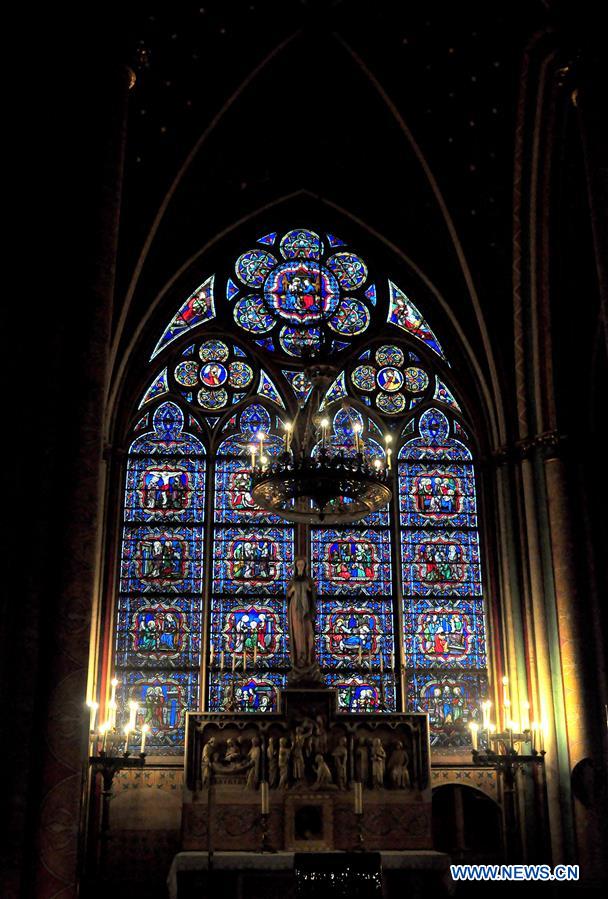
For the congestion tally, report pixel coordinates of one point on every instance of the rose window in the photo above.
(214, 375)
(293, 289)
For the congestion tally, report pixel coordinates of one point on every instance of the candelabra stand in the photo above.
(106, 764)
(507, 763)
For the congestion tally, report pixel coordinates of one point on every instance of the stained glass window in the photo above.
(352, 568)
(252, 562)
(159, 615)
(444, 631)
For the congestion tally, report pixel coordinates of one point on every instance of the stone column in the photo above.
(50, 666)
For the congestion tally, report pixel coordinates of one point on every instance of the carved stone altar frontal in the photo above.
(311, 756)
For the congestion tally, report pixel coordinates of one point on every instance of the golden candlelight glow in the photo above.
(474, 728)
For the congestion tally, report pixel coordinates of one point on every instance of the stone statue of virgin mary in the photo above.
(301, 609)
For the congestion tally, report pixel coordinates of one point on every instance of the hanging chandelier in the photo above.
(311, 480)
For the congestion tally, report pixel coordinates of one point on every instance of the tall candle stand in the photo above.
(507, 760)
(358, 802)
(106, 762)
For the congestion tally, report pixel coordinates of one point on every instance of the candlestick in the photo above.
(265, 797)
(144, 732)
(288, 435)
(112, 713)
(357, 431)
(505, 691)
(93, 706)
(261, 438)
(485, 708)
(535, 741)
(252, 454)
(127, 732)
(114, 684)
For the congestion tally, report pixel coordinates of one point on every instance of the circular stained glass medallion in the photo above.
(213, 374)
(301, 291)
(186, 373)
(251, 314)
(241, 374)
(350, 270)
(212, 399)
(352, 317)
(213, 350)
(389, 355)
(301, 244)
(253, 267)
(364, 377)
(390, 403)
(390, 379)
(300, 341)
(416, 379)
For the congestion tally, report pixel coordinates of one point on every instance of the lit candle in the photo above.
(377, 464)
(127, 732)
(358, 797)
(112, 713)
(222, 660)
(105, 727)
(144, 732)
(261, 438)
(288, 429)
(485, 708)
(114, 684)
(505, 691)
(133, 716)
(474, 728)
(357, 431)
(252, 454)
(93, 706)
(388, 439)
(324, 426)
(265, 798)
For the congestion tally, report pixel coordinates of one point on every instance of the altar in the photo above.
(306, 778)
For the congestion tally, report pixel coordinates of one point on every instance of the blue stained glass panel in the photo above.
(354, 632)
(246, 561)
(198, 308)
(434, 442)
(254, 626)
(434, 495)
(163, 698)
(158, 632)
(245, 693)
(167, 438)
(360, 693)
(444, 634)
(452, 702)
(165, 489)
(161, 560)
(233, 502)
(158, 387)
(301, 244)
(351, 561)
(441, 562)
(268, 239)
(404, 314)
